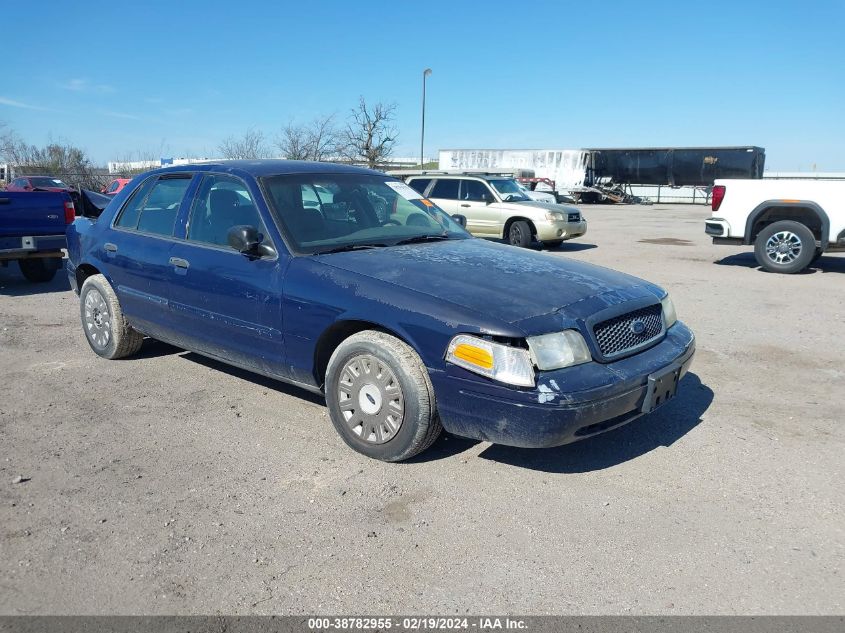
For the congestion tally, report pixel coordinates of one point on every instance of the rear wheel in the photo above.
(785, 247)
(380, 397)
(106, 329)
(519, 234)
(38, 270)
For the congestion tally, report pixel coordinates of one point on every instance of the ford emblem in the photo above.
(637, 326)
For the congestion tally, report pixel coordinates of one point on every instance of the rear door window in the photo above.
(445, 189)
(154, 207)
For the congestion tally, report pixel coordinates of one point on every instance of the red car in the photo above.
(116, 186)
(38, 183)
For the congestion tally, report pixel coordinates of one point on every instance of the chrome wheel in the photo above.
(370, 399)
(784, 247)
(97, 318)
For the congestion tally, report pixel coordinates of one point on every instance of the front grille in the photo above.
(620, 334)
(574, 217)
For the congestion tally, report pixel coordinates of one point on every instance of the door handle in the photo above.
(5, 200)
(179, 262)
(111, 248)
(465, 205)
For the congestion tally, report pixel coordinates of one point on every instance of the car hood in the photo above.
(507, 283)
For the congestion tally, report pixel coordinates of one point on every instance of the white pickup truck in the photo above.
(789, 222)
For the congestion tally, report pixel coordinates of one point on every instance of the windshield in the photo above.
(47, 182)
(509, 190)
(327, 212)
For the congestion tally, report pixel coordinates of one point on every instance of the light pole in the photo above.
(426, 73)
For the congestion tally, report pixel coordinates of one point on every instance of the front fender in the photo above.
(318, 296)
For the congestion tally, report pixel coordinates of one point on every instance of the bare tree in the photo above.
(58, 159)
(316, 141)
(250, 145)
(293, 142)
(370, 135)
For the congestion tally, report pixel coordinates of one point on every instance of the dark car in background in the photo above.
(347, 282)
(38, 183)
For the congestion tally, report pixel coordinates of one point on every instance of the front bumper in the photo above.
(550, 231)
(566, 405)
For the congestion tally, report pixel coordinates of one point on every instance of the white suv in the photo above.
(495, 206)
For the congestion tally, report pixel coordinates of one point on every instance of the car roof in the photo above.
(460, 176)
(271, 167)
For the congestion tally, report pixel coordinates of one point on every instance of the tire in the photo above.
(519, 234)
(380, 397)
(105, 327)
(785, 247)
(552, 243)
(36, 270)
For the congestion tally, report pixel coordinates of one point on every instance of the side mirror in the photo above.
(247, 240)
(460, 219)
(488, 199)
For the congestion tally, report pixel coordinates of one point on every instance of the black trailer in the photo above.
(673, 166)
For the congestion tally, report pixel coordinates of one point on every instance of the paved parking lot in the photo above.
(168, 483)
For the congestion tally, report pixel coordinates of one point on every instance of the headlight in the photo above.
(554, 216)
(669, 314)
(494, 360)
(559, 349)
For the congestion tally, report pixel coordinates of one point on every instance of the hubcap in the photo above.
(97, 318)
(783, 247)
(516, 235)
(370, 399)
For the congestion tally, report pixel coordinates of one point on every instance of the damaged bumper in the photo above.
(567, 404)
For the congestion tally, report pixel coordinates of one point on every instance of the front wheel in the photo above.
(519, 234)
(106, 329)
(380, 397)
(38, 270)
(785, 247)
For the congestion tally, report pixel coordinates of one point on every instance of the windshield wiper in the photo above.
(349, 247)
(423, 238)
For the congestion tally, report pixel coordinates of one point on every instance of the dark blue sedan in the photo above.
(347, 282)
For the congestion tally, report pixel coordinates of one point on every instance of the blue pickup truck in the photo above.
(32, 231)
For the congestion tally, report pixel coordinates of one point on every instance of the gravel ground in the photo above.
(168, 483)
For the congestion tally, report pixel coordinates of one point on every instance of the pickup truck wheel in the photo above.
(552, 243)
(36, 270)
(519, 234)
(106, 329)
(785, 247)
(380, 397)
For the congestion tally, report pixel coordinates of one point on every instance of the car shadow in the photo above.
(257, 379)
(662, 428)
(14, 284)
(565, 247)
(824, 264)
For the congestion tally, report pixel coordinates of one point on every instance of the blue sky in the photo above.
(175, 78)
